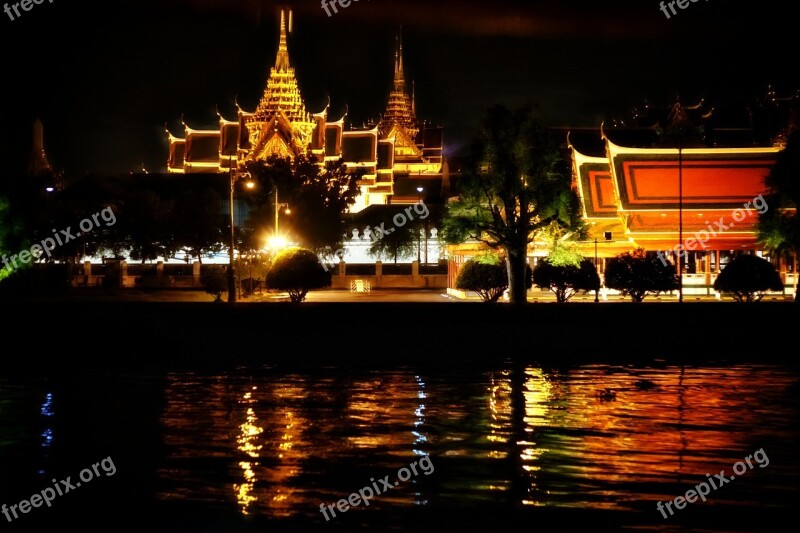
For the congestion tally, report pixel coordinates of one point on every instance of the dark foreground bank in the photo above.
(194, 335)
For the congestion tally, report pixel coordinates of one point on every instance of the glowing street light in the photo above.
(419, 244)
(278, 205)
(234, 177)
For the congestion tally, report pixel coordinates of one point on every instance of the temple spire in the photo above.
(38, 160)
(282, 60)
(399, 75)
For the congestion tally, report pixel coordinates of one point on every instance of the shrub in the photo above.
(748, 277)
(215, 282)
(489, 280)
(296, 271)
(565, 280)
(637, 274)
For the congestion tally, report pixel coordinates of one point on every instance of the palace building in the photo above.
(398, 153)
(701, 198)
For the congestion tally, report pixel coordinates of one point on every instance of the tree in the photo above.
(318, 198)
(296, 271)
(564, 280)
(638, 274)
(489, 280)
(748, 277)
(4, 230)
(215, 282)
(517, 183)
(197, 222)
(779, 225)
(396, 243)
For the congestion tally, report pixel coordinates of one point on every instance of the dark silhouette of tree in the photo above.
(215, 282)
(318, 199)
(517, 183)
(396, 243)
(638, 274)
(144, 225)
(565, 280)
(778, 227)
(296, 271)
(5, 226)
(197, 222)
(748, 277)
(489, 280)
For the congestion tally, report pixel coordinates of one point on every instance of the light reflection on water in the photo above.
(619, 438)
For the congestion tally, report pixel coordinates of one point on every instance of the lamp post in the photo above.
(419, 200)
(234, 177)
(596, 296)
(680, 219)
(278, 205)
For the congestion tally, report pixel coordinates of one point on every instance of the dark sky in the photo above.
(105, 77)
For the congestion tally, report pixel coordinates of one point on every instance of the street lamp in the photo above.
(278, 205)
(597, 290)
(234, 177)
(419, 200)
(680, 218)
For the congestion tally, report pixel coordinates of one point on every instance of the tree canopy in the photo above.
(779, 226)
(638, 274)
(318, 199)
(489, 280)
(747, 278)
(517, 182)
(296, 271)
(564, 280)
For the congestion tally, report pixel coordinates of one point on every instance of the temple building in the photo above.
(677, 179)
(396, 154)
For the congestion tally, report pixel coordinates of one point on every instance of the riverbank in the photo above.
(202, 335)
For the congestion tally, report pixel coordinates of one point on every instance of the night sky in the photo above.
(106, 77)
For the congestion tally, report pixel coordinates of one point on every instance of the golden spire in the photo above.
(282, 92)
(399, 75)
(400, 109)
(282, 61)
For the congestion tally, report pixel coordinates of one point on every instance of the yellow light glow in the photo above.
(249, 184)
(277, 242)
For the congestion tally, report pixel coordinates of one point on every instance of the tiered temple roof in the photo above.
(281, 125)
(638, 193)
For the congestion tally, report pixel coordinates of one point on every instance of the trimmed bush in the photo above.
(638, 274)
(489, 280)
(297, 271)
(215, 281)
(748, 277)
(565, 280)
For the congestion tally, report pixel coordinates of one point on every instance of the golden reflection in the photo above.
(248, 432)
(538, 393)
(291, 449)
(500, 409)
(391, 401)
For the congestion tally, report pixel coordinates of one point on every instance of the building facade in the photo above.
(395, 153)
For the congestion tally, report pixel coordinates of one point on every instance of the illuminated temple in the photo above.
(636, 187)
(397, 154)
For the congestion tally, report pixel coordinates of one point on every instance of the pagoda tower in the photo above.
(399, 120)
(280, 125)
(38, 161)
